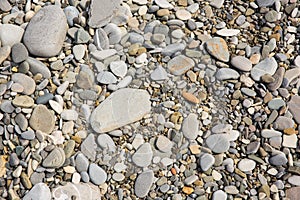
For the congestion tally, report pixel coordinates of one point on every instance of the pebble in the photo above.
(276, 103)
(46, 32)
(278, 160)
(69, 115)
(119, 68)
(97, 174)
(143, 183)
(71, 13)
(28, 135)
(290, 141)
(159, 74)
(26, 81)
(283, 122)
(106, 142)
(42, 119)
(55, 159)
(267, 66)
(79, 51)
(143, 156)
(206, 161)
(246, 165)
(294, 180)
(293, 193)
(7, 107)
(163, 144)
(23, 101)
(106, 77)
(10, 34)
(228, 32)
(4, 53)
(5, 6)
(217, 143)
(219, 195)
(180, 64)
(39, 191)
(82, 163)
(218, 48)
(19, 53)
(88, 147)
(241, 63)
(294, 108)
(268, 133)
(103, 118)
(278, 76)
(265, 3)
(183, 14)
(163, 4)
(227, 73)
(190, 126)
(37, 66)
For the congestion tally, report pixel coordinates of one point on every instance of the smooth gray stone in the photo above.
(46, 32)
(27, 82)
(172, 49)
(97, 174)
(278, 76)
(39, 191)
(282, 123)
(19, 53)
(268, 133)
(101, 39)
(44, 99)
(69, 115)
(55, 159)
(10, 34)
(159, 74)
(113, 32)
(294, 107)
(7, 107)
(278, 160)
(37, 66)
(226, 74)
(180, 64)
(217, 143)
(88, 147)
(28, 135)
(71, 13)
(81, 163)
(143, 183)
(265, 3)
(106, 142)
(106, 77)
(190, 126)
(206, 161)
(22, 121)
(266, 66)
(37, 177)
(14, 160)
(242, 63)
(5, 6)
(143, 156)
(276, 103)
(42, 119)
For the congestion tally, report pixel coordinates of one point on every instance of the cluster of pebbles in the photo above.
(153, 99)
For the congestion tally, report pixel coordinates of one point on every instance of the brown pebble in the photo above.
(187, 190)
(190, 97)
(290, 131)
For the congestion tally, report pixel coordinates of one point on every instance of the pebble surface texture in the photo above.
(160, 99)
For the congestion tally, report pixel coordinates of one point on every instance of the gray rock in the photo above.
(97, 174)
(217, 143)
(113, 32)
(271, 16)
(4, 53)
(294, 107)
(37, 177)
(268, 133)
(22, 121)
(7, 107)
(294, 180)
(5, 6)
(180, 64)
(163, 4)
(37, 66)
(190, 126)
(79, 51)
(106, 77)
(46, 31)
(217, 47)
(172, 49)
(246, 165)
(55, 159)
(81, 163)
(71, 13)
(163, 144)
(241, 63)
(82, 36)
(10, 34)
(265, 3)
(28, 135)
(106, 142)
(206, 161)
(278, 160)
(276, 103)
(143, 183)
(14, 160)
(69, 115)
(42, 119)
(282, 123)
(216, 3)
(113, 113)
(101, 39)
(27, 82)
(39, 191)
(119, 68)
(278, 76)
(159, 74)
(226, 74)
(88, 147)
(267, 66)
(101, 12)
(143, 156)
(19, 53)
(219, 195)
(248, 92)
(292, 74)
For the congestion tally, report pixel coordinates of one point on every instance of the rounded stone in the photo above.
(97, 174)
(42, 119)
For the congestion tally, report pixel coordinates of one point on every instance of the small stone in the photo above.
(55, 158)
(276, 103)
(42, 119)
(227, 73)
(69, 115)
(163, 4)
(39, 191)
(271, 16)
(294, 107)
(290, 141)
(294, 180)
(293, 193)
(143, 156)
(79, 51)
(4, 53)
(159, 74)
(143, 183)
(37, 66)
(268, 133)
(82, 163)
(217, 143)
(23, 101)
(10, 34)
(164, 144)
(28, 135)
(14, 160)
(180, 64)
(187, 190)
(242, 63)
(56, 106)
(228, 32)
(246, 165)
(71, 13)
(26, 81)
(106, 142)
(5, 6)
(46, 31)
(190, 126)
(88, 147)
(106, 77)
(218, 48)
(267, 66)
(278, 160)
(119, 68)
(265, 3)
(219, 195)
(19, 53)
(183, 14)
(206, 161)
(283, 123)
(97, 174)
(278, 76)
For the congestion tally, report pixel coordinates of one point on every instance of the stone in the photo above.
(266, 66)
(271, 16)
(206, 161)
(143, 183)
(101, 12)
(106, 142)
(217, 143)
(119, 68)
(292, 74)
(171, 49)
(294, 180)
(19, 53)
(293, 193)
(180, 64)
(14, 160)
(265, 3)
(226, 74)
(290, 141)
(7, 107)
(163, 4)
(4, 53)
(37, 66)
(294, 107)
(26, 81)
(190, 126)
(278, 76)
(42, 119)
(22, 121)
(283, 122)
(79, 51)
(46, 32)
(218, 48)
(276, 103)
(55, 159)
(97, 174)
(143, 155)
(39, 191)
(113, 32)
(268, 133)
(241, 63)
(10, 34)
(278, 160)
(216, 3)
(81, 163)
(5, 6)
(82, 36)
(56, 106)
(159, 74)
(69, 115)
(106, 77)
(228, 32)
(88, 147)
(163, 144)
(23, 101)
(71, 13)
(122, 107)
(183, 14)
(219, 195)
(246, 165)
(101, 39)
